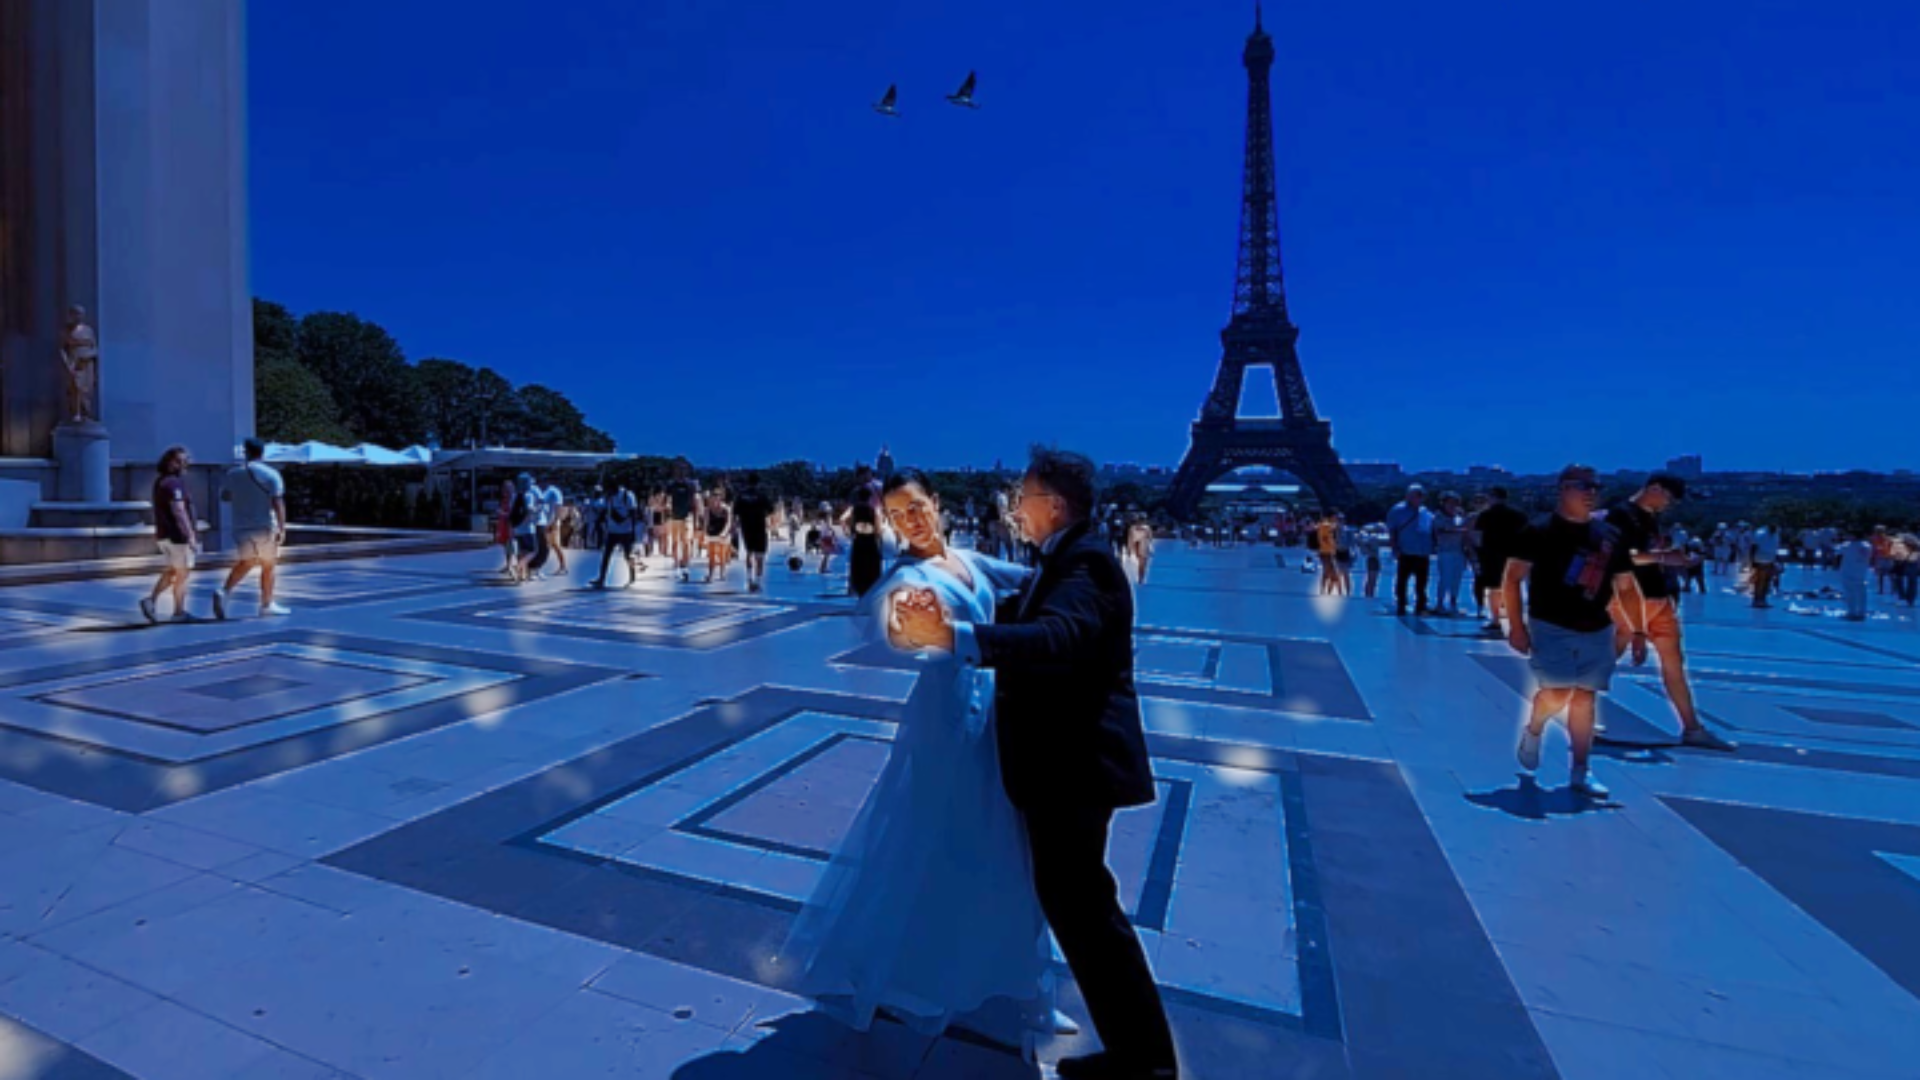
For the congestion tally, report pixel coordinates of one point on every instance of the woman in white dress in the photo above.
(927, 912)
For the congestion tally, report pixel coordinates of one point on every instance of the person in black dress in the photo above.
(863, 525)
(750, 511)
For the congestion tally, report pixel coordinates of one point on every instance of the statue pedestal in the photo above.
(80, 449)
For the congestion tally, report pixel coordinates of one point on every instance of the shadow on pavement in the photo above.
(1529, 801)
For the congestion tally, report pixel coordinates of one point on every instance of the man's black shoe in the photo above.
(1103, 1066)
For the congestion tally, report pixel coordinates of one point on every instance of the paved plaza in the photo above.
(435, 826)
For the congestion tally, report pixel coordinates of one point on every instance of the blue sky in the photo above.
(1513, 234)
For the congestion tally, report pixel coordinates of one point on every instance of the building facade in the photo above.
(123, 190)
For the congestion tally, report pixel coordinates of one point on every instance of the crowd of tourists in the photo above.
(691, 524)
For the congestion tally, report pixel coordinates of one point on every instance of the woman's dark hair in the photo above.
(908, 478)
(167, 457)
(1066, 474)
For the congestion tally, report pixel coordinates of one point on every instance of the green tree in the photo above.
(497, 412)
(555, 423)
(447, 389)
(291, 404)
(379, 395)
(274, 330)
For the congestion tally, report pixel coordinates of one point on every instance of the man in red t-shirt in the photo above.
(177, 532)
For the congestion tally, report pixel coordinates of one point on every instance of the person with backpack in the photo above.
(621, 519)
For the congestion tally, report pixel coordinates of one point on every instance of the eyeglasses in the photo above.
(1581, 485)
(1024, 496)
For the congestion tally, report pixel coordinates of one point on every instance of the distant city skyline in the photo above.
(1696, 240)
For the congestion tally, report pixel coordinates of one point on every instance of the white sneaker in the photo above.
(1583, 783)
(1064, 1024)
(267, 610)
(1529, 751)
(147, 609)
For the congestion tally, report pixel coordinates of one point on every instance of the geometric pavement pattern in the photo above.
(431, 826)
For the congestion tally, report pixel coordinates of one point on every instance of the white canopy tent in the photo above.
(441, 465)
(319, 453)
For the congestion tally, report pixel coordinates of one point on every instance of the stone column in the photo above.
(123, 185)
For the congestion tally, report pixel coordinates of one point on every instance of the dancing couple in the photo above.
(1020, 740)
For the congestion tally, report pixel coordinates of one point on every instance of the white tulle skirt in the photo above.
(927, 912)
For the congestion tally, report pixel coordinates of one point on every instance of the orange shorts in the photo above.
(1663, 624)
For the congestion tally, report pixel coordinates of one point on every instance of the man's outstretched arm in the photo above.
(1065, 630)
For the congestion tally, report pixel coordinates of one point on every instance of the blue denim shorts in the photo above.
(1565, 659)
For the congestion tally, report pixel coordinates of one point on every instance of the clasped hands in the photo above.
(916, 620)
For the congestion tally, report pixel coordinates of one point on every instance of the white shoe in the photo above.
(1529, 751)
(1064, 1024)
(1583, 783)
(267, 610)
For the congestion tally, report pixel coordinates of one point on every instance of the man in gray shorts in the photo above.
(1572, 564)
(258, 496)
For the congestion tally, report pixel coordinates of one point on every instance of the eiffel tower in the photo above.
(1260, 335)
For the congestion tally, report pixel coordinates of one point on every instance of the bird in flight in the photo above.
(885, 106)
(964, 96)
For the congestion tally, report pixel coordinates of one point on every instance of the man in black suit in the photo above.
(1072, 750)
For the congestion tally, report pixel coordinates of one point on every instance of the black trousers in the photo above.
(1082, 905)
(540, 549)
(1414, 567)
(623, 541)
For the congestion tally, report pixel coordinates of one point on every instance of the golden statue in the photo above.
(80, 356)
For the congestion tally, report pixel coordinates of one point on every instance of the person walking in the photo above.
(1450, 528)
(1496, 529)
(258, 496)
(620, 517)
(752, 515)
(1858, 564)
(1410, 536)
(1766, 564)
(1571, 565)
(176, 531)
(1636, 519)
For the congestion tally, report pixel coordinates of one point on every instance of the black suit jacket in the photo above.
(1069, 721)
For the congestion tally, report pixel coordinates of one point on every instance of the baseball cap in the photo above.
(1579, 473)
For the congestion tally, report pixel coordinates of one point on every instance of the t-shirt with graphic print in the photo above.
(1573, 564)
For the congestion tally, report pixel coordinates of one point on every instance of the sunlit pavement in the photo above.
(433, 825)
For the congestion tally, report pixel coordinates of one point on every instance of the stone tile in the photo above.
(167, 1042)
(177, 843)
(334, 889)
(131, 916)
(70, 1001)
(689, 993)
(594, 1034)
(74, 877)
(264, 819)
